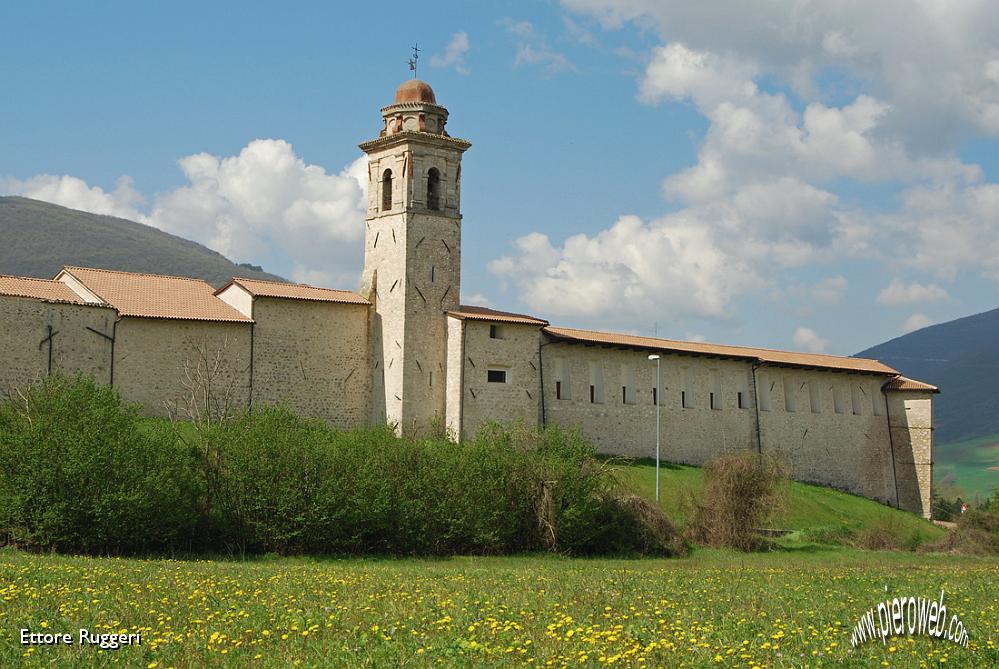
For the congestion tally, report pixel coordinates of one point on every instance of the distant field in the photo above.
(971, 465)
(792, 608)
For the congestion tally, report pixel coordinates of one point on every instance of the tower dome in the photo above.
(414, 90)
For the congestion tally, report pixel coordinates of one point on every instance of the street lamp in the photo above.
(655, 357)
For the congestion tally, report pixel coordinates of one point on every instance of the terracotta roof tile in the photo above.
(156, 295)
(743, 352)
(297, 291)
(42, 289)
(904, 383)
(484, 314)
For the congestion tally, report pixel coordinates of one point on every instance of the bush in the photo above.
(288, 485)
(742, 491)
(976, 533)
(80, 472)
(101, 480)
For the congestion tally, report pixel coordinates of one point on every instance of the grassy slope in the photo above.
(713, 609)
(809, 506)
(966, 465)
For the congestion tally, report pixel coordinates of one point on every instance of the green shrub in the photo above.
(80, 472)
(292, 486)
(975, 533)
(743, 490)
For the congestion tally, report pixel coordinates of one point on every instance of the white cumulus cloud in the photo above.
(533, 49)
(897, 293)
(629, 273)
(75, 193)
(830, 291)
(264, 205)
(454, 54)
(915, 322)
(808, 340)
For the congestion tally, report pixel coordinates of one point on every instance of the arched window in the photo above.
(387, 190)
(433, 189)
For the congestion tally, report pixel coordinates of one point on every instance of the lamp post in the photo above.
(655, 357)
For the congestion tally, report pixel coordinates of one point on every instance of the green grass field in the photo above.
(808, 506)
(972, 466)
(792, 607)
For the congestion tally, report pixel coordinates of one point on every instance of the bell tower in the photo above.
(412, 255)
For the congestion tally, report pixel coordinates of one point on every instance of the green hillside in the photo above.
(809, 507)
(961, 357)
(38, 238)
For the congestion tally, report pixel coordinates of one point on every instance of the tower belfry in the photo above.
(412, 255)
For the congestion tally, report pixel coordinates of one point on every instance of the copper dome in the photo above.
(415, 90)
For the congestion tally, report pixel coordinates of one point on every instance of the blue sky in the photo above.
(718, 171)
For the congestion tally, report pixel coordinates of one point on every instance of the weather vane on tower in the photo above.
(414, 59)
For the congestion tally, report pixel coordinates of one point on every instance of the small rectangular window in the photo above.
(496, 376)
(686, 383)
(596, 383)
(856, 395)
(655, 397)
(431, 378)
(563, 383)
(433, 274)
(741, 399)
(495, 332)
(714, 401)
(627, 384)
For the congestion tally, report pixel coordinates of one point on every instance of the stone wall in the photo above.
(152, 356)
(692, 435)
(837, 442)
(911, 419)
(314, 357)
(24, 324)
(515, 352)
(454, 382)
(829, 427)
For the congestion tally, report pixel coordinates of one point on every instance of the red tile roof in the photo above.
(484, 314)
(42, 289)
(156, 295)
(764, 355)
(296, 291)
(904, 383)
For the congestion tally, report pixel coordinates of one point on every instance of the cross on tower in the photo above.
(414, 59)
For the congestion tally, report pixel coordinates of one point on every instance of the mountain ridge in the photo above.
(37, 239)
(961, 357)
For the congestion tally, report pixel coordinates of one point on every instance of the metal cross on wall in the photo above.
(413, 61)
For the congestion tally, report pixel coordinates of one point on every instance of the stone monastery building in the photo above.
(403, 350)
